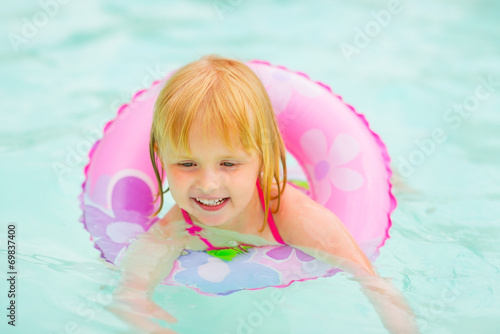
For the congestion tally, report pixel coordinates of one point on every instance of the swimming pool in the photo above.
(426, 75)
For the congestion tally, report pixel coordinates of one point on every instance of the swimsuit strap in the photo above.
(270, 218)
(195, 229)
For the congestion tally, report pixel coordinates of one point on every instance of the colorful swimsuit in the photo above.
(228, 253)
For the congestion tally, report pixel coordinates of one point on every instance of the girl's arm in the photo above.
(147, 261)
(317, 231)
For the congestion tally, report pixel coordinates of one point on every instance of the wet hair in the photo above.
(231, 102)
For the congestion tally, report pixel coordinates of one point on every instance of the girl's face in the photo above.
(225, 180)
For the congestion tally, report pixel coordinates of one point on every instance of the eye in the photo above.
(228, 164)
(186, 164)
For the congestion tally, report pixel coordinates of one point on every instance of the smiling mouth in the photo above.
(211, 202)
(211, 205)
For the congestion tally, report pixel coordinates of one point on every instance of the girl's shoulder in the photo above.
(173, 223)
(173, 215)
(298, 215)
(292, 202)
(314, 229)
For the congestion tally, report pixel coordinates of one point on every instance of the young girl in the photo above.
(215, 139)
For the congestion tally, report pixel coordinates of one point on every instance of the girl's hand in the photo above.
(394, 310)
(136, 309)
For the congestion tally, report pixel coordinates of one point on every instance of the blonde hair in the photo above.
(230, 101)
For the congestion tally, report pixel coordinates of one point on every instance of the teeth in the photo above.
(211, 203)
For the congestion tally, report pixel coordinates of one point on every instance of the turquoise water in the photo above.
(427, 77)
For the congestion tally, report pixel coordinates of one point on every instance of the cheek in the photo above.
(178, 186)
(243, 187)
(176, 180)
(246, 182)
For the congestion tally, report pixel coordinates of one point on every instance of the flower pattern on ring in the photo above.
(325, 164)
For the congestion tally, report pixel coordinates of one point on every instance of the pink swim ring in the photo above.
(346, 165)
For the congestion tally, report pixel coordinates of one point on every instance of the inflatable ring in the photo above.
(346, 165)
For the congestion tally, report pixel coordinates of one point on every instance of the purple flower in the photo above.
(285, 252)
(131, 205)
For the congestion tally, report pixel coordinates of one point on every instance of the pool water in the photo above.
(425, 74)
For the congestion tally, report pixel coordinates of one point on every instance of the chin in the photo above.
(212, 221)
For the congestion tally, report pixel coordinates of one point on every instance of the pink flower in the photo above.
(325, 163)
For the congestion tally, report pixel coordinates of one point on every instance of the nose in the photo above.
(209, 181)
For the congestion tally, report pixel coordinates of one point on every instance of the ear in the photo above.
(260, 174)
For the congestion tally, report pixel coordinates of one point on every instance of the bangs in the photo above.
(223, 109)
